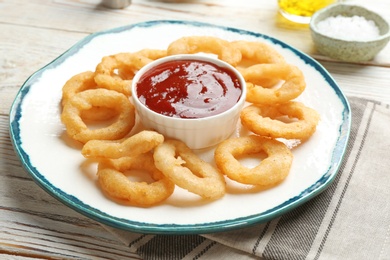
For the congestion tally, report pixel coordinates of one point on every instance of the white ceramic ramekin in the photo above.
(196, 133)
(349, 50)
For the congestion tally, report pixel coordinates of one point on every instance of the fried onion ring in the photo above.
(176, 161)
(263, 120)
(112, 180)
(78, 83)
(294, 83)
(258, 53)
(271, 170)
(152, 54)
(78, 130)
(115, 72)
(141, 142)
(207, 44)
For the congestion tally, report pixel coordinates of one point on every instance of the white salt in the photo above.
(354, 28)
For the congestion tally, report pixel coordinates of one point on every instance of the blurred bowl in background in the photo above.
(116, 4)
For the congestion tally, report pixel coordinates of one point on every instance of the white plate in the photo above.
(60, 169)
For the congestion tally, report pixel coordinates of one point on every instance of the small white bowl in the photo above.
(197, 133)
(349, 50)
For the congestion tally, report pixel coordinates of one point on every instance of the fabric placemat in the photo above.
(349, 220)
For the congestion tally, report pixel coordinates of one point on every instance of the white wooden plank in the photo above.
(371, 82)
(24, 51)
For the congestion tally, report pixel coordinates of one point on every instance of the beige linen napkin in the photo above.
(349, 220)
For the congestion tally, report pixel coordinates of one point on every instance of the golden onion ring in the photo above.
(206, 44)
(264, 120)
(178, 162)
(294, 83)
(134, 145)
(271, 170)
(114, 182)
(77, 129)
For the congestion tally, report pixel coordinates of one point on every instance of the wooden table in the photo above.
(33, 33)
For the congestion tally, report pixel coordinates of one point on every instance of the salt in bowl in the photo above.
(197, 133)
(349, 32)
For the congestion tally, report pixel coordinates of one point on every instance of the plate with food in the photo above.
(100, 130)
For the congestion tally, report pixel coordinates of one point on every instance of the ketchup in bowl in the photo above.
(193, 98)
(189, 89)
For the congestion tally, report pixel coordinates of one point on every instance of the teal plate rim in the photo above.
(203, 228)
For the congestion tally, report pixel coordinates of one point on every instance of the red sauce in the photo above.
(189, 89)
